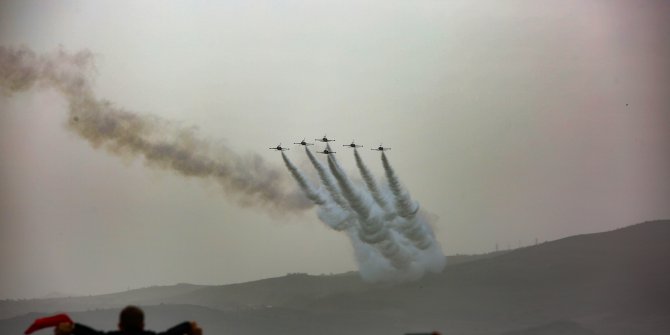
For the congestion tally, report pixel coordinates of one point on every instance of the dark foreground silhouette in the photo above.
(131, 322)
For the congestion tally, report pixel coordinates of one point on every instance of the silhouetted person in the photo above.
(131, 322)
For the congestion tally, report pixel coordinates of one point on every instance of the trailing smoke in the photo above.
(370, 181)
(332, 214)
(248, 179)
(392, 241)
(327, 181)
(337, 215)
(387, 247)
(404, 204)
(373, 229)
(411, 225)
(304, 184)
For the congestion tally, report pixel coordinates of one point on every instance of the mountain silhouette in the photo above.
(616, 282)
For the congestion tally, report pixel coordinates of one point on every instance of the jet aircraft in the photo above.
(304, 143)
(326, 152)
(381, 148)
(324, 139)
(353, 145)
(279, 148)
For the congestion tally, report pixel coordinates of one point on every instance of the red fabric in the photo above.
(49, 321)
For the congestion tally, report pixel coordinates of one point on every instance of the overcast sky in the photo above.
(509, 120)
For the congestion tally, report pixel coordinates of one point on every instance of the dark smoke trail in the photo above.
(373, 229)
(246, 178)
(370, 182)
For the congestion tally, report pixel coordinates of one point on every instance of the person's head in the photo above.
(131, 319)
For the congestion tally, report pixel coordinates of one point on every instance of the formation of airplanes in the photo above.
(325, 139)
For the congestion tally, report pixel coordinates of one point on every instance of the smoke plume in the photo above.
(327, 181)
(392, 242)
(373, 229)
(387, 247)
(411, 225)
(246, 178)
(303, 182)
(332, 214)
(370, 181)
(405, 207)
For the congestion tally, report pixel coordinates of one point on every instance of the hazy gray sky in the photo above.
(509, 120)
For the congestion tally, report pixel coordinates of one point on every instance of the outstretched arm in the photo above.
(48, 321)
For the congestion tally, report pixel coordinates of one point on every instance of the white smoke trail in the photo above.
(373, 229)
(414, 227)
(405, 207)
(361, 207)
(302, 181)
(331, 214)
(370, 181)
(374, 266)
(327, 181)
(248, 179)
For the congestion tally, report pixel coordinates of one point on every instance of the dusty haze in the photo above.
(509, 121)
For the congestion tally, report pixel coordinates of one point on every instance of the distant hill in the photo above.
(10, 308)
(554, 328)
(616, 282)
(287, 290)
